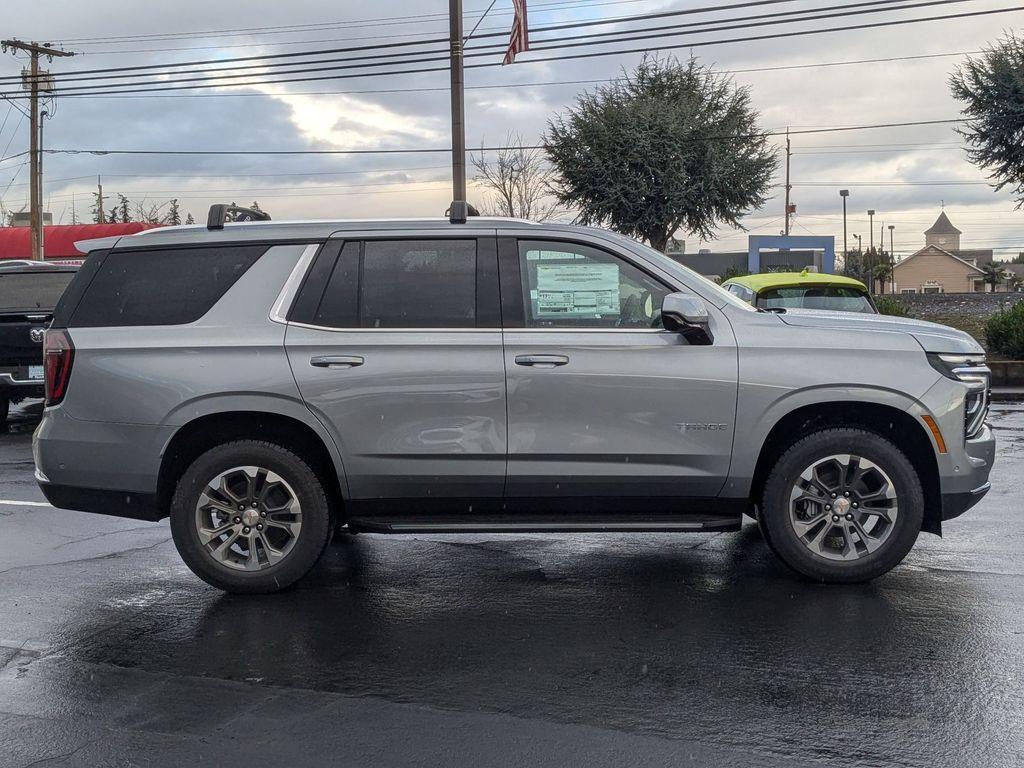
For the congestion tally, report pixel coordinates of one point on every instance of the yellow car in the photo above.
(802, 290)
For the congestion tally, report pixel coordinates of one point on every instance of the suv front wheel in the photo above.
(250, 516)
(842, 505)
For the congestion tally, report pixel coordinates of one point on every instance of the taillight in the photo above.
(58, 354)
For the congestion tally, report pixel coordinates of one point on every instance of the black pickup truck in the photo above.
(28, 294)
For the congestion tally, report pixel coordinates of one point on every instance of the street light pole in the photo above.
(844, 193)
(871, 218)
(892, 258)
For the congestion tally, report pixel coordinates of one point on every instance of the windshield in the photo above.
(716, 290)
(834, 298)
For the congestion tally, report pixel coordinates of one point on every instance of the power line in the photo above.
(545, 7)
(775, 36)
(747, 70)
(767, 134)
(347, 25)
(781, 35)
(243, 152)
(104, 73)
(246, 175)
(392, 57)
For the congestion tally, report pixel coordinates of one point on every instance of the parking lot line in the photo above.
(15, 503)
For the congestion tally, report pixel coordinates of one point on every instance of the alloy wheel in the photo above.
(843, 507)
(248, 518)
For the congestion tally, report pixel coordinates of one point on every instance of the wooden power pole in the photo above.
(35, 81)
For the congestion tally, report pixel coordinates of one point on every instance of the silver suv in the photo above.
(264, 384)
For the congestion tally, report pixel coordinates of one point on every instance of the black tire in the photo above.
(781, 535)
(5, 410)
(308, 544)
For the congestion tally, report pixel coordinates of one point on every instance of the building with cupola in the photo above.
(942, 266)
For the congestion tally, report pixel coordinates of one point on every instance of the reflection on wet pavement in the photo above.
(508, 650)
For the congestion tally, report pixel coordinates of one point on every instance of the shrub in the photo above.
(887, 305)
(1004, 332)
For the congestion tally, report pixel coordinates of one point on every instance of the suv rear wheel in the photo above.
(250, 516)
(842, 505)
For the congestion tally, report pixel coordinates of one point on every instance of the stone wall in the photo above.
(966, 311)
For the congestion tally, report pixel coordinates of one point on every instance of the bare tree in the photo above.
(517, 182)
(150, 213)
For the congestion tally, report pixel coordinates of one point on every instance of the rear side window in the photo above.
(402, 284)
(32, 290)
(418, 284)
(169, 286)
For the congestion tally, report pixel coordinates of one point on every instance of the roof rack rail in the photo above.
(459, 211)
(219, 215)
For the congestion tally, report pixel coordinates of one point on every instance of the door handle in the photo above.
(336, 362)
(542, 361)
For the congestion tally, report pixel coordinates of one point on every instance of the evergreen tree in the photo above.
(96, 210)
(124, 208)
(991, 87)
(173, 216)
(669, 146)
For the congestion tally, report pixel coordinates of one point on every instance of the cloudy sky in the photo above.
(906, 174)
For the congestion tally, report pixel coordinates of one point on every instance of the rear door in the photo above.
(602, 401)
(396, 347)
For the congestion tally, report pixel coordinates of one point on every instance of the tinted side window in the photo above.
(404, 284)
(418, 284)
(566, 285)
(161, 287)
(339, 307)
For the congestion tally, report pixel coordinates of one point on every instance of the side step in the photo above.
(534, 524)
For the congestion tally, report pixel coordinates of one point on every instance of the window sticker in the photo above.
(552, 256)
(580, 290)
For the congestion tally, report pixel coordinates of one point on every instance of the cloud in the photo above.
(417, 114)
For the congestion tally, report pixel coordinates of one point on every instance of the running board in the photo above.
(679, 524)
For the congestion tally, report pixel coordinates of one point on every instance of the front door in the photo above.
(602, 401)
(399, 355)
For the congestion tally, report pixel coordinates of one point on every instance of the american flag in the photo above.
(520, 39)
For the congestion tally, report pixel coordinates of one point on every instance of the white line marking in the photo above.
(11, 503)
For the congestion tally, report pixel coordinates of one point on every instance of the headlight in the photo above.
(971, 370)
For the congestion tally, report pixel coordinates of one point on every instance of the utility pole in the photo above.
(35, 80)
(458, 101)
(789, 154)
(101, 217)
(871, 230)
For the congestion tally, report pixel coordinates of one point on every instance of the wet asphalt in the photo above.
(527, 650)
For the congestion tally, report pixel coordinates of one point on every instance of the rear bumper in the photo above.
(110, 469)
(136, 506)
(14, 383)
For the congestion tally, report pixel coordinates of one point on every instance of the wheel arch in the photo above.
(197, 436)
(896, 425)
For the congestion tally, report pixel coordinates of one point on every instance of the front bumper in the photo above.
(955, 504)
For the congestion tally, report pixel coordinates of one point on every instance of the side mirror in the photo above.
(687, 315)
